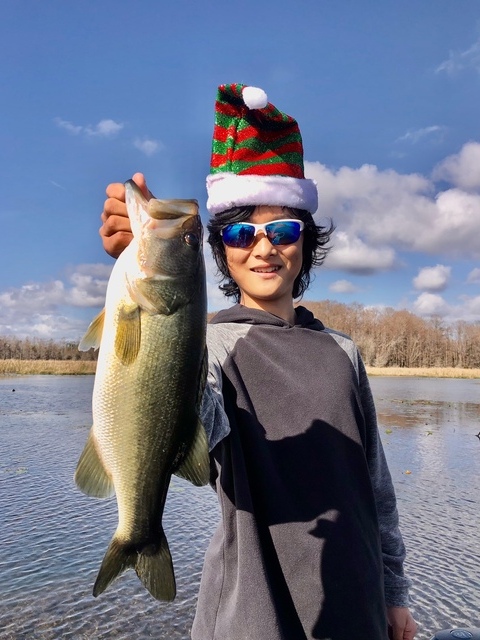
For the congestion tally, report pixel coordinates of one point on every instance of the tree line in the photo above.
(12, 348)
(385, 338)
(390, 338)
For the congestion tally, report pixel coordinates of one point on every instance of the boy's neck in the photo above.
(281, 310)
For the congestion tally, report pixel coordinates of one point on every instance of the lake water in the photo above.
(52, 537)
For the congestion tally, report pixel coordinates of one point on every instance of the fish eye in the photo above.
(192, 239)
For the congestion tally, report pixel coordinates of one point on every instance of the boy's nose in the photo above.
(262, 244)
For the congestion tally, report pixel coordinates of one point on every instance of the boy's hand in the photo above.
(115, 231)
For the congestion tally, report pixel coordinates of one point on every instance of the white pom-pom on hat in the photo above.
(254, 97)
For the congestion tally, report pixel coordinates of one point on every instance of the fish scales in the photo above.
(122, 396)
(149, 381)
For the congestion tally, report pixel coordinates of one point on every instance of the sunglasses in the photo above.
(242, 234)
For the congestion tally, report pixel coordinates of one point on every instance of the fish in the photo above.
(148, 387)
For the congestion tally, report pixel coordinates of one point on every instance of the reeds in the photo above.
(50, 367)
(87, 367)
(424, 372)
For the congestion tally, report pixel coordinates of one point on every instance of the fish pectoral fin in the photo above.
(90, 475)
(93, 335)
(129, 333)
(195, 466)
(153, 566)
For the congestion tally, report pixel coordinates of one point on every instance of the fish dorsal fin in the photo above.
(90, 475)
(195, 466)
(93, 335)
(129, 333)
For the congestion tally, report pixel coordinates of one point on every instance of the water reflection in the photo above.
(429, 429)
(53, 537)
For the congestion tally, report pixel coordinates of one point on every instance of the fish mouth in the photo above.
(160, 209)
(171, 209)
(165, 218)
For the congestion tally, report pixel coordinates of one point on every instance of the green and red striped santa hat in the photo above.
(257, 154)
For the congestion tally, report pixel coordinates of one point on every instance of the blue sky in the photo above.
(386, 94)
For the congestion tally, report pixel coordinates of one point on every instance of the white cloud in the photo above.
(56, 309)
(147, 146)
(89, 285)
(108, 128)
(34, 310)
(343, 286)
(68, 126)
(459, 60)
(38, 308)
(103, 129)
(461, 169)
(378, 213)
(49, 327)
(474, 276)
(349, 253)
(415, 135)
(29, 298)
(432, 278)
(470, 309)
(454, 229)
(430, 304)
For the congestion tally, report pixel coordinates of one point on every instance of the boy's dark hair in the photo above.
(315, 239)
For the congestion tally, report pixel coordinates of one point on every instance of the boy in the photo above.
(308, 545)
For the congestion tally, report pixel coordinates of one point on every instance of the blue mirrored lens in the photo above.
(242, 234)
(283, 232)
(238, 235)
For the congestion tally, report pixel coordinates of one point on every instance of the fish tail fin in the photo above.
(116, 560)
(153, 565)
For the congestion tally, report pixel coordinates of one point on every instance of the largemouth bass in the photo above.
(148, 386)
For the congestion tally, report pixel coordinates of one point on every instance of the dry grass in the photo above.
(425, 372)
(51, 367)
(85, 367)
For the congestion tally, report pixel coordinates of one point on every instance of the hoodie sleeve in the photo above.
(393, 548)
(212, 412)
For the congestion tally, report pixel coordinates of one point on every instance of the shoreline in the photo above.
(425, 372)
(87, 367)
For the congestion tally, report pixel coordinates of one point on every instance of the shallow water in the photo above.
(429, 429)
(53, 537)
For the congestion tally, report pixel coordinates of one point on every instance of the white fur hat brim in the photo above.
(226, 190)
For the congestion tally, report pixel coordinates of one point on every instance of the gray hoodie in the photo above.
(308, 545)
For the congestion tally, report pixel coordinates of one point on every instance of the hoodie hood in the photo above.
(245, 315)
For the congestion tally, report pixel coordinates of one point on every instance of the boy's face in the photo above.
(265, 273)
